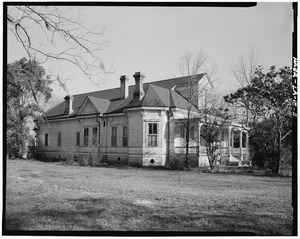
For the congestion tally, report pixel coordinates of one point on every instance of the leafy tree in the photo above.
(214, 115)
(268, 98)
(28, 88)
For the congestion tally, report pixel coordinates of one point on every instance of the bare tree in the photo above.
(190, 65)
(243, 70)
(61, 36)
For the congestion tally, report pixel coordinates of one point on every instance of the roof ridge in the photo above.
(145, 83)
(174, 78)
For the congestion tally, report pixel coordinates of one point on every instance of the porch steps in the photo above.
(234, 159)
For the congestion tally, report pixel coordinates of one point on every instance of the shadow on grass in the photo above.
(14, 224)
(109, 214)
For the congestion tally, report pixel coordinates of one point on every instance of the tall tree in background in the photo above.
(61, 36)
(28, 88)
(243, 70)
(244, 67)
(269, 97)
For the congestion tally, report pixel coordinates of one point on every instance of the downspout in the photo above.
(168, 136)
(99, 136)
(106, 134)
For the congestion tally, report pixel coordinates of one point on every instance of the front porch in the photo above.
(234, 147)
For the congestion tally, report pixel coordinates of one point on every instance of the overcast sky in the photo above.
(153, 39)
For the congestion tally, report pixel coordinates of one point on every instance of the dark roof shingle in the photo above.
(157, 93)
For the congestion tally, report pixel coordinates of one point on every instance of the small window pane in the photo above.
(150, 128)
(59, 139)
(154, 129)
(95, 136)
(114, 136)
(125, 136)
(46, 139)
(77, 138)
(86, 136)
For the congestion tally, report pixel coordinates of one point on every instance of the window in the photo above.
(192, 133)
(59, 139)
(77, 138)
(236, 139)
(46, 139)
(182, 132)
(152, 134)
(114, 136)
(244, 140)
(95, 136)
(125, 137)
(86, 136)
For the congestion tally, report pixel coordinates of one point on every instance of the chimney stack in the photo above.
(139, 91)
(123, 87)
(68, 104)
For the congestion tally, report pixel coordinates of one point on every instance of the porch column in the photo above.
(200, 163)
(232, 138)
(247, 140)
(241, 144)
(199, 137)
(229, 142)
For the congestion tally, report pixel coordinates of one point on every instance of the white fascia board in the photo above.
(116, 114)
(88, 116)
(84, 102)
(148, 108)
(73, 118)
(61, 119)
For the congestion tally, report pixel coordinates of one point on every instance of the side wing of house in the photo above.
(69, 136)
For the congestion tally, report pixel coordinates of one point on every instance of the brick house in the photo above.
(135, 125)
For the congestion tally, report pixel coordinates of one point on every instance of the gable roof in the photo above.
(100, 105)
(157, 94)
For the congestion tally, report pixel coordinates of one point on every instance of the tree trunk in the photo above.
(279, 153)
(209, 156)
(186, 162)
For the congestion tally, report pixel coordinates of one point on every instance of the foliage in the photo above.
(268, 100)
(211, 132)
(28, 88)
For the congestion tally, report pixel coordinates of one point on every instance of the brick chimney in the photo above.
(68, 104)
(123, 87)
(138, 91)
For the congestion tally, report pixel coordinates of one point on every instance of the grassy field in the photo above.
(50, 196)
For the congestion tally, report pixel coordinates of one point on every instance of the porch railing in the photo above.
(202, 150)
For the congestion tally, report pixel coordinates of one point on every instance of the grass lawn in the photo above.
(51, 196)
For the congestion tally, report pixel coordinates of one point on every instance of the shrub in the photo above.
(83, 161)
(259, 159)
(174, 164)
